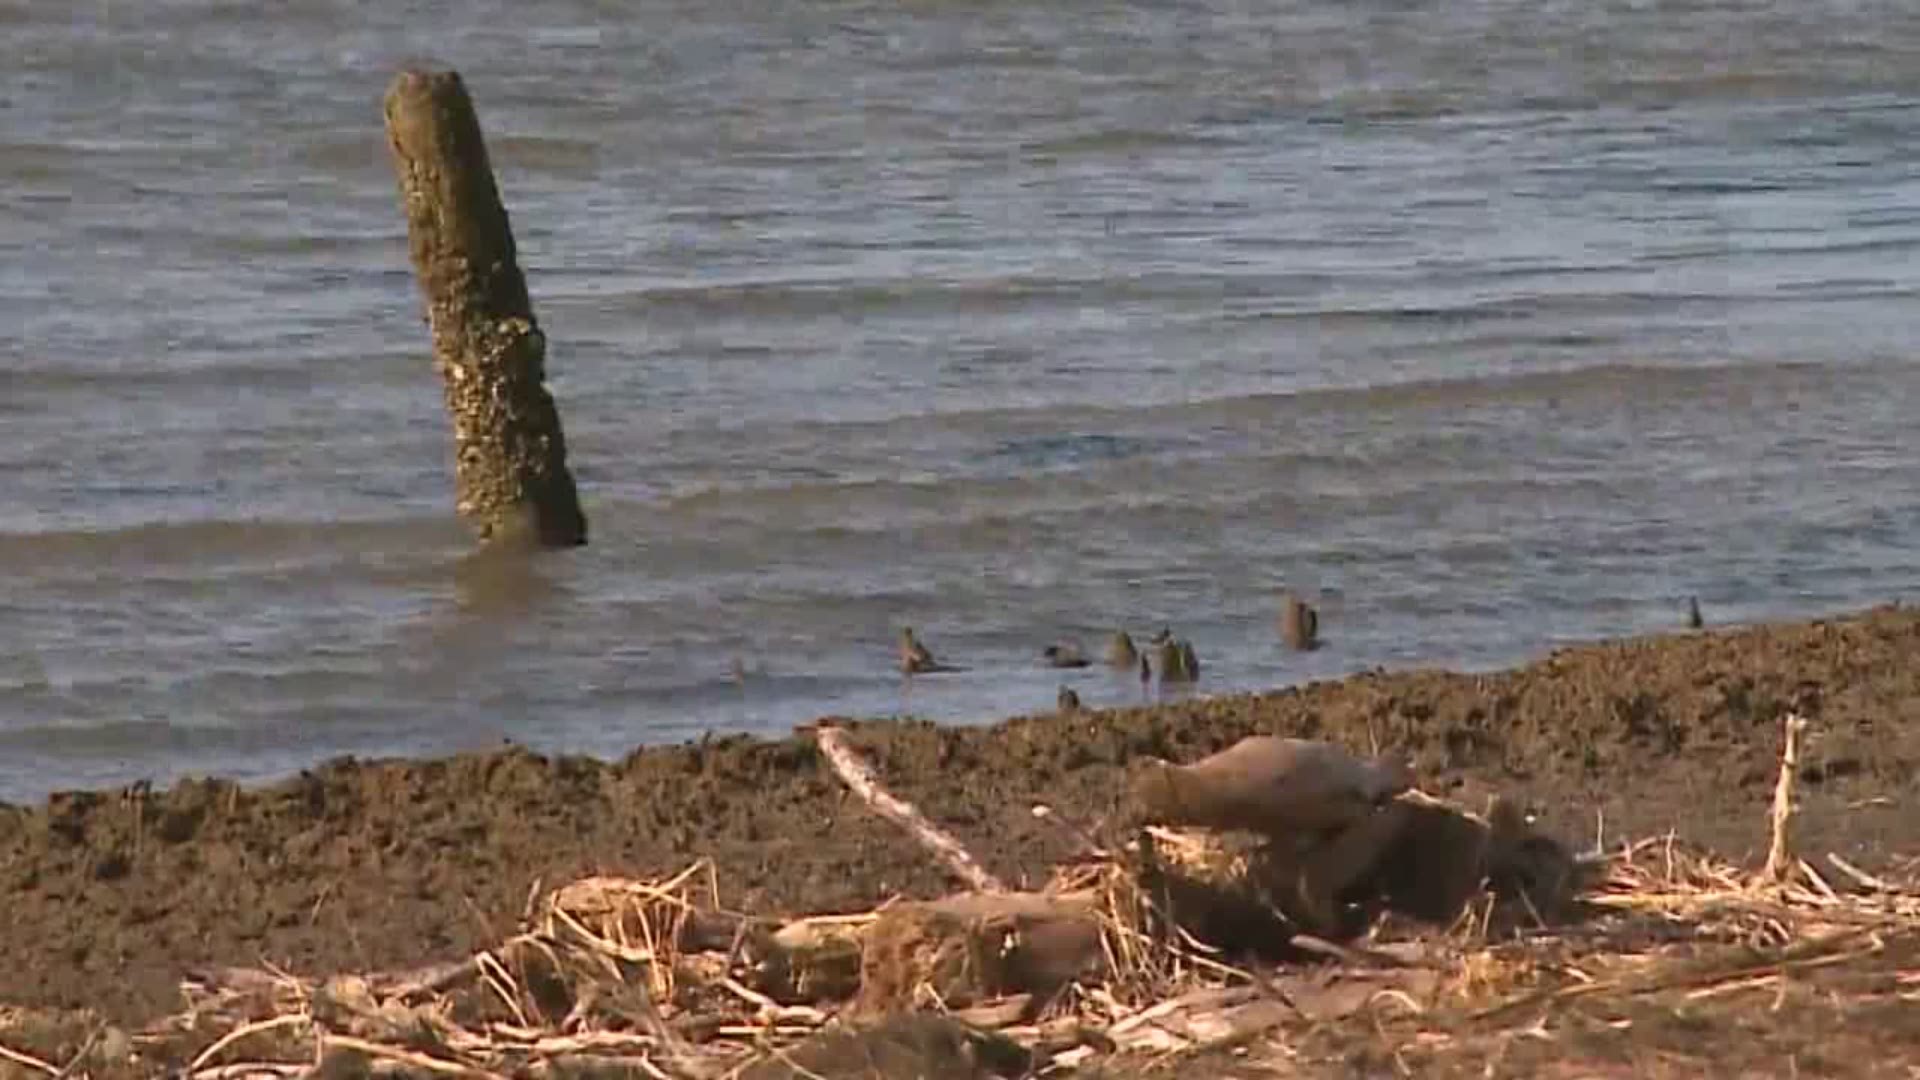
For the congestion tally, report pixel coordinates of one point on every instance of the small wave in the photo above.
(1123, 141)
(1048, 421)
(101, 736)
(263, 371)
(1558, 382)
(839, 294)
(545, 154)
(222, 542)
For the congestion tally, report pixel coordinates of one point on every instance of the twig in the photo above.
(647, 1066)
(951, 853)
(1358, 957)
(804, 1014)
(591, 1040)
(242, 1032)
(31, 1062)
(1734, 986)
(496, 978)
(435, 979)
(439, 978)
(1819, 952)
(1820, 883)
(251, 1070)
(1210, 998)
(409, 1057)
(1860, 877)
(1779, 857)
(786, 1059)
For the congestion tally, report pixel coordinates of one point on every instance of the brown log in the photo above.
(972, 948)
(811, 960)
(951, 853)
(510, 456)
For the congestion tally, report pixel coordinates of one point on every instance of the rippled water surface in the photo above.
(1492, 325)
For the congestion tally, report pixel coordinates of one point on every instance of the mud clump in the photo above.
(112, 897)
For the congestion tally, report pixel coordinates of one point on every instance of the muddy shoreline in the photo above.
(354, 865)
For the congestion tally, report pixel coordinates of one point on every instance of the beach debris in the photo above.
(831, 739)
(1134, 953)
(964, 950)
(638, 976)
(1299, 623)
(1780, 862)
(1064, 654)
(1120, 652)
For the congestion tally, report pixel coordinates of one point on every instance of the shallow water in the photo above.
(1491, 325)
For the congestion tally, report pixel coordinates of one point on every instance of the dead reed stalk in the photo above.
(1779, 850)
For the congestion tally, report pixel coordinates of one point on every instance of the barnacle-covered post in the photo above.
(510, 456)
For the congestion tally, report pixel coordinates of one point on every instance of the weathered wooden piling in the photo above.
(510, 456)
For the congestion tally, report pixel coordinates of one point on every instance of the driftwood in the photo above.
(1780, 848)
(965, 950)
(601, 981)
(811, 960)
(951, 853)
(657, 978)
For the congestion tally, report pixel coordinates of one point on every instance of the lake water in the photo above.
(1490, 325)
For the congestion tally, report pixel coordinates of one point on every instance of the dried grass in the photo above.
(600, 976)
(604, 974)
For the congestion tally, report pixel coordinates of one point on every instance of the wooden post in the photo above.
(510, 456)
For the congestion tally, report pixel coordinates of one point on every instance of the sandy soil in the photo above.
(112, 896)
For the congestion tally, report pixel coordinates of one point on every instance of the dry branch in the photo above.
(28, 1060)
(586, 983)
(951, 853)
(234, 1036)
(967, 950)
(409, 1057)
(1779, 853)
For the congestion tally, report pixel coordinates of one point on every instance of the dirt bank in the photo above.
(378, 865)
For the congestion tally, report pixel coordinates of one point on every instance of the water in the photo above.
(1493, 325)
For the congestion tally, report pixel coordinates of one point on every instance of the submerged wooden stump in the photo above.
(510, 456)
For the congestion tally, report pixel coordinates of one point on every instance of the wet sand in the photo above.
(112, 896)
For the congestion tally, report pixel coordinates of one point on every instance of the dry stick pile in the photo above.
(659, 978)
